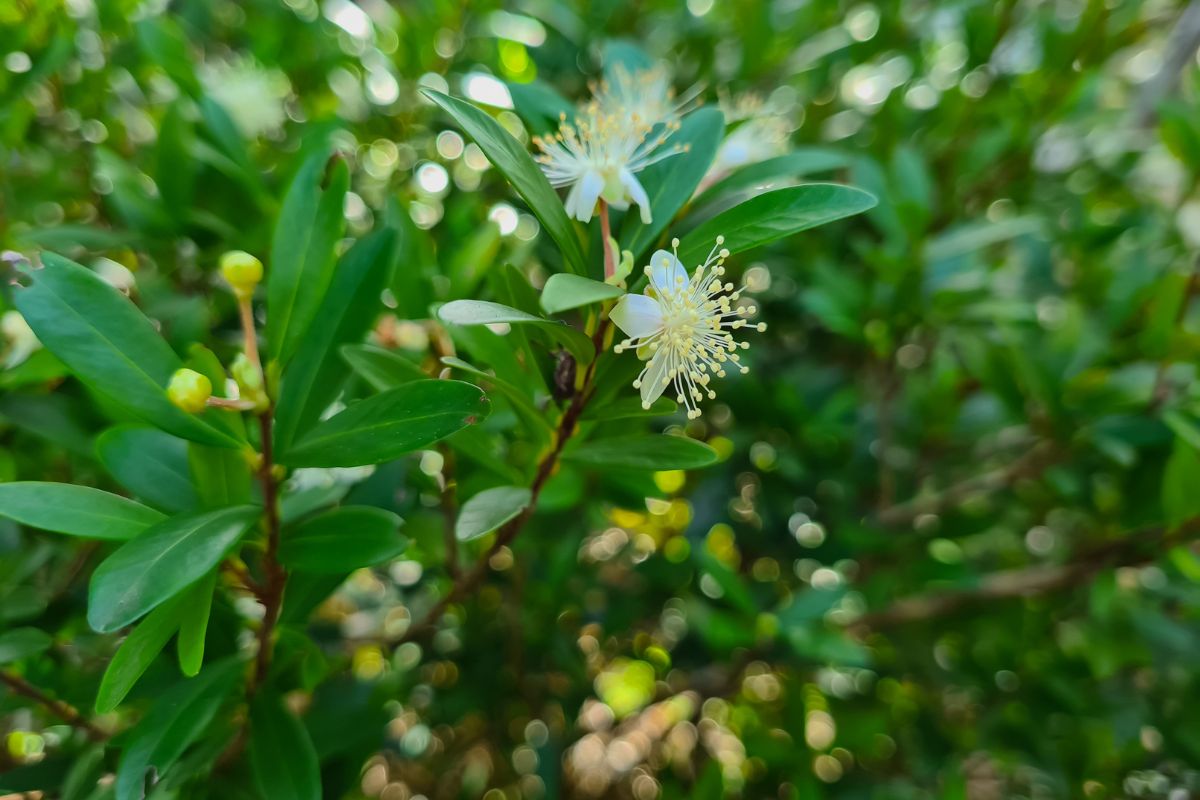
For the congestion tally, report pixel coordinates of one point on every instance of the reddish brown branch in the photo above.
(58, 708)
(274, 575)
(505, 535)
(1131, 549)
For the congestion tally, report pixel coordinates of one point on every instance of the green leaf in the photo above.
(151, 464)
(1181, 483)
(651, 452)
(75, 510)
(390, 424)
(311, 221)
(136, 653)
(173, 723)
(671, 182)
(480, 312)
(978, 234)
(160, 563)
(21, 643)
(539, 105)
(164, 44)
(193, 623)
(802, 161)
(315, 375)
(343, 540)
(772, 216)
(488, 510)
(510, 158)
(627, 408)
(563, 292)
(283, 760)
(383, 369)
(520, 402)
(222, 476)
(108, 344)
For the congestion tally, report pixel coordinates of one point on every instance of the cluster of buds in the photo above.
(193, 392)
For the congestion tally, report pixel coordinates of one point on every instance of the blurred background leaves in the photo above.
(945, 552)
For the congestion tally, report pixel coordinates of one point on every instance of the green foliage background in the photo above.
(946, 549)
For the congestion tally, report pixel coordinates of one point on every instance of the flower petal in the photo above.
(638, 193)
(637, 315)
(654, 379)
(667, 274)
(581, 202)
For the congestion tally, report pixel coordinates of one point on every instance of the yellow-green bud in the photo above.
(189, 390)
(249, 381)
(242, 271)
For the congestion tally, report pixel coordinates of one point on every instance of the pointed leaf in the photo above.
(488, 510)
(160, 563)
(108, 344)
(343, 540)
(382, 368)
(802, 161)
(511, 159)
(193, 623)
(151, 464)
(651, 452)
(671, 182)
(315, 375)
(136, 653)
(283, 760)
(20, 643)
(480, 312)
(311, 221)
(772, 216)
(388, 425)
(173, 723)
(563, 292)
(75, 510)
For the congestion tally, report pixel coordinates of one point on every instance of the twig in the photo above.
(610, 262)
(505, 535)
(449, 503)
(1131, 549)
(275, 576)
(1032, 462)
(1162, 387)
(63, 711)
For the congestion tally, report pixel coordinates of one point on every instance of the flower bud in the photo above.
(249, 381)
(242, 271)
(189, 390)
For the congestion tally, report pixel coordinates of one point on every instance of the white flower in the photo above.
(752, 141)
(682, 326)
(253, 96)
(22, 341)
(598, 156)
(644, 96)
